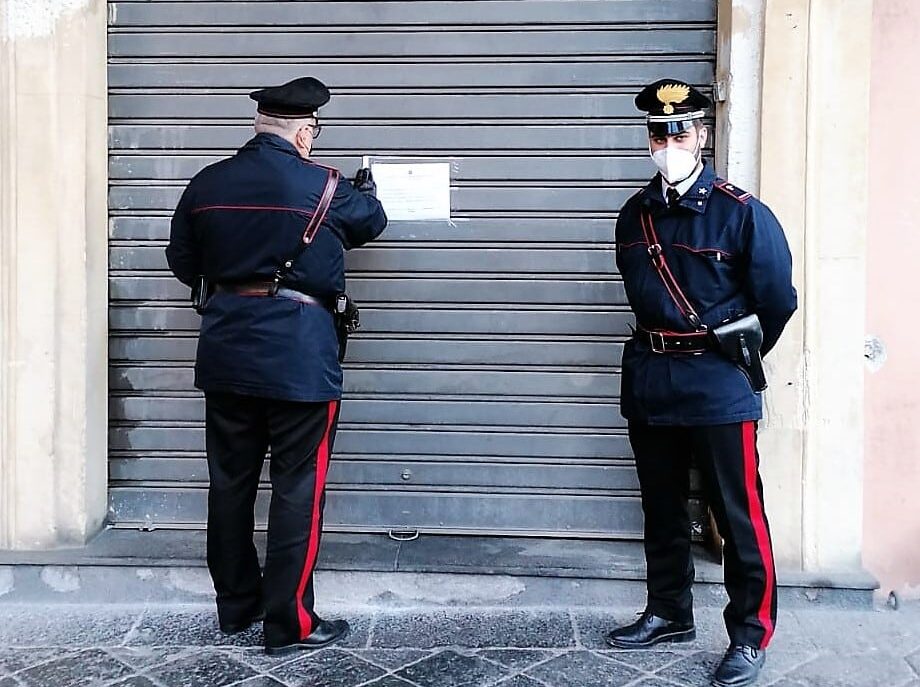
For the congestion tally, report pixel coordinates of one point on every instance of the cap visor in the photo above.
(669, 128)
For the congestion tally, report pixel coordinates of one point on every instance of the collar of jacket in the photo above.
(272, 141)
(696, 199)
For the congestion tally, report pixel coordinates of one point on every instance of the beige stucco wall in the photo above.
(785, 46)
(892, 477)
(754, 44)
(53, 271)
(814, 52)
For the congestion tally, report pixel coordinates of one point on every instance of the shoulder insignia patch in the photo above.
(730, 189)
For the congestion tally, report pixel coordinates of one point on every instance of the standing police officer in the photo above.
(707, 272)
(262, 236)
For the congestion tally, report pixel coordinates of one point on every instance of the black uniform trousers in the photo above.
(239, 431)
(727, 458)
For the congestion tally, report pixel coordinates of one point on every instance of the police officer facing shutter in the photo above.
(268, 354)
(696, 252)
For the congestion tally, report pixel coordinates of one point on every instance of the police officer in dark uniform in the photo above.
(261, 236)
(707, 272)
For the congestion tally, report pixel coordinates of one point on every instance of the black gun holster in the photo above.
(740, 341)
(347, 321)
(201, 292)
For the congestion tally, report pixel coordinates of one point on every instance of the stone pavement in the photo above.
(180, 646)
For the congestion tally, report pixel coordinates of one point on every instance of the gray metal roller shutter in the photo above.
(482, 391)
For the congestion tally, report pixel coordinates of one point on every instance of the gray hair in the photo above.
(281, 126)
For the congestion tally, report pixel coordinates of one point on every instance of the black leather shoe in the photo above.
(236, 628)
(650, 630)
(740, 666)
(327, 632)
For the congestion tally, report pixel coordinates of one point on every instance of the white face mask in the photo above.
(675, 164)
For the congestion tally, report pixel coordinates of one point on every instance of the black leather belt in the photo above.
(668, 342)
(267, 288)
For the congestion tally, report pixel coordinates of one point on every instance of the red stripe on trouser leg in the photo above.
(322, 465)
(761, 534)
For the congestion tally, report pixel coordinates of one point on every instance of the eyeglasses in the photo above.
(315, 130)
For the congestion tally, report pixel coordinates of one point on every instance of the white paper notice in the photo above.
(413, 191)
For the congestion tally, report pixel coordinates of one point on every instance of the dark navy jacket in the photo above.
(237, 221)
(729, 255)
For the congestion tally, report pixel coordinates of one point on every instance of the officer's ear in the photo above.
(303, 140)
(702, 132)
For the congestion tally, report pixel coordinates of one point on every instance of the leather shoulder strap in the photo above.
(322, 207)
(316, 220)
(664, 272)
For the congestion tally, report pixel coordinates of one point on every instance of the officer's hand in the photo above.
(364, 182)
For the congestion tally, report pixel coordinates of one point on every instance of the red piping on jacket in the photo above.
(273, 208)
(718, 251)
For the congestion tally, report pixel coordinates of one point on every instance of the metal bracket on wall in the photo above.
(720, 91)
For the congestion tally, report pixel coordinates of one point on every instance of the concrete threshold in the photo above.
(373, 570)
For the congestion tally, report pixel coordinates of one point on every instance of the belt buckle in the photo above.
(651, 337)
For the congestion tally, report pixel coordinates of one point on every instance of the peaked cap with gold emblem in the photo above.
(671, 106)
